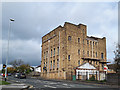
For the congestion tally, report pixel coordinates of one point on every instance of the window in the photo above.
(88, 53)
(91, 53)
(51, 52)
(96, 62)
(68, 57)
(78, 40)
(102, 55)
(93, 43)
(93, 62)
(102, 66)
(58, 50)
(96, 54)
(90, 42)
(96, 43)
(69, 38)
(87, 42)
(78, 51)
(83, 32)
(57, 63)
(83, 41)
(83, 52)
(53, 64)
(79, 62)
(54, 51)
(46, 64)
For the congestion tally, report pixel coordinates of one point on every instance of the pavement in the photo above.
(14, 85)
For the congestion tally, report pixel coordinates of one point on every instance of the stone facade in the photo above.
(67, 47)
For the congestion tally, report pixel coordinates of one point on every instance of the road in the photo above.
(38, 83)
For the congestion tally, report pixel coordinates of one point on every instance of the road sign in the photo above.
(105, 68)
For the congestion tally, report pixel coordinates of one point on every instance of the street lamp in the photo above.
(11, 20)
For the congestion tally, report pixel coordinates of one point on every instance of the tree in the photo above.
(19, 66)
(117, 59)
(24, 68)
(16, 63)
(10, 70)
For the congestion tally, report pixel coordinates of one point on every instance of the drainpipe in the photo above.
(59, 57)
(92, 49)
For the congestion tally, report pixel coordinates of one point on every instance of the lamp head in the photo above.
(12, 19)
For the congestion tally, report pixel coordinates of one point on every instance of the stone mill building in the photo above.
(67, 49)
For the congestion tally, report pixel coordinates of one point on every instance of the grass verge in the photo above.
(4, 83)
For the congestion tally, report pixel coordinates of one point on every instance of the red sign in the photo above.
(105, 68)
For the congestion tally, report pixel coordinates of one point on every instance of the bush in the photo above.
(103, 80)
(92, 78)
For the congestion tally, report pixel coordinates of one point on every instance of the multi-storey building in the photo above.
(67, 47)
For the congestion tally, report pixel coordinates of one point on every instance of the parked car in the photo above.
(16, 75)
(9, 74)
(22, 75)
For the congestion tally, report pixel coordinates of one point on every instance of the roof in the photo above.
(91, 59)
(86, 66)
(104, 62)
(94, 38)
(63, 27)
(74, 24)
(52, 30)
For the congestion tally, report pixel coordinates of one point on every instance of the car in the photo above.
(9, 74)
(22, 75)
(16, 75)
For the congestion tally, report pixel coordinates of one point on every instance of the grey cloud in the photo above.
(33, 20)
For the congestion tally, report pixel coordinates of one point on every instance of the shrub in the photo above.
(92, 78)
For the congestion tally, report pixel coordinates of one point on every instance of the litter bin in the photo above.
(74, 77)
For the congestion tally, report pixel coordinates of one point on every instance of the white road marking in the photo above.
(49, 86)
(64, 84)
(52, 83)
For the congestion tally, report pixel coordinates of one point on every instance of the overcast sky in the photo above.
(34, 20)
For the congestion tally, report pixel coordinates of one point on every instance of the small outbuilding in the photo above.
(87, 70)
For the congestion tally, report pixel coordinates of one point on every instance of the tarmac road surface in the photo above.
(41, 84)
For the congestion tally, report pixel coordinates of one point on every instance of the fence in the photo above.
(113, 78)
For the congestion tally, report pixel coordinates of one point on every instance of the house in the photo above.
(37, 69)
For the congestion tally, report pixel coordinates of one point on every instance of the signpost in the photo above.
(105, 69)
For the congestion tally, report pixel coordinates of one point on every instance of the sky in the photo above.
(35, 19)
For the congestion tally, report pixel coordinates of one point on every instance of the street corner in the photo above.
(15, 86)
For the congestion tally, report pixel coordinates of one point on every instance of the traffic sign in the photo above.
(105, 68)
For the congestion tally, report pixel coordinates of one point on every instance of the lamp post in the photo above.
(11, 20)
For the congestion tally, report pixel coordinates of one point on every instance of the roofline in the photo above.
(52, 30)
(95, 37)
(83, 64)
(74, 24)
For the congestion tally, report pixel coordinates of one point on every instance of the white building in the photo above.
(86, 70)
(37, 69)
